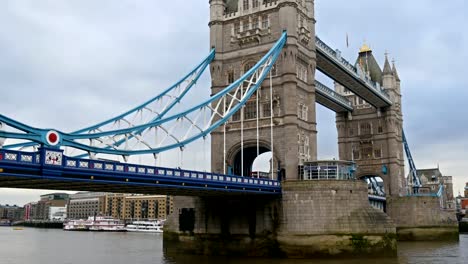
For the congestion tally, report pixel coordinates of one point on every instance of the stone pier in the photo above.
(310, 219)
(421, 219)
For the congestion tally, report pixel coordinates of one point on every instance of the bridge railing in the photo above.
(336, 56)
(117, 168)
(324, 89)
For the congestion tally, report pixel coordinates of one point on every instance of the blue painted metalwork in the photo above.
(51, 164)
(413, 171)
(266, 63)
(197, 71)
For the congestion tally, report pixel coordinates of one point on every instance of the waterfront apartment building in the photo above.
(131, 206)
(84, 204)
(11, 212)
(51, 206)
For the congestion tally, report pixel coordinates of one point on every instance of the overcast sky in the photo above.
(67, 64)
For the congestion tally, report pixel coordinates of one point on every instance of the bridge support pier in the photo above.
(420, 218)
(311, 219)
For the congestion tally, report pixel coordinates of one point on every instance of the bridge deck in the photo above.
(330, 63)
(32, 170)
(331, 99)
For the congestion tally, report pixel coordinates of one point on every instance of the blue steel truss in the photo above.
(416, 182)
(221, 105)
(179, 90)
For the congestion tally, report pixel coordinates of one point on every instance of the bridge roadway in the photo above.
(331, 63)
(50, 169)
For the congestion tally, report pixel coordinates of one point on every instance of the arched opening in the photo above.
(250, 154)
(375, 185)
(376, 192)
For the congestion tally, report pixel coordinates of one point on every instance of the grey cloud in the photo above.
(67, 64)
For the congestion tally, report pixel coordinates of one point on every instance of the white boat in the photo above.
(145, 226)
(105, 223)
(76, 225)
(97, 223)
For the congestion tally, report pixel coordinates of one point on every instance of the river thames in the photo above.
(38, 246)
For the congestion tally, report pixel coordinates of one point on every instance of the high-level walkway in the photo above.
(331, 63)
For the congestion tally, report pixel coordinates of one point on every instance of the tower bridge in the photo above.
(263, 59)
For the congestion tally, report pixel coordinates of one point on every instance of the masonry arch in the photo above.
(250, 154)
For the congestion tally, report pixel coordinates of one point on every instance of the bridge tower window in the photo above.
(366, 129)
(266, 109)
(255, 3)
(245, 25)
(377, 152)
(236, 28)
(255, 23)
(246, 4)
(265, 22)
(250, 111)
(230, 76)
(356, 154)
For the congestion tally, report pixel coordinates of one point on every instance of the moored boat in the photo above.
(95, 223)
(145, 226)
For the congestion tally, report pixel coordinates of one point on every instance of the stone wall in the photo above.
(312, 218)
(332, 218)
(421, 218)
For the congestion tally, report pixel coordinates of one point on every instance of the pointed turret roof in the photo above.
(387, 69)
(395, 73)
(369, 64)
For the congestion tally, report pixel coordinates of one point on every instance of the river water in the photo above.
(50, 246)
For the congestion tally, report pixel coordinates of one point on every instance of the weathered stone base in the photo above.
(338, 245)
(311, 219)
(427, 233)
(419, 218)
(285, 247)
(217, 245)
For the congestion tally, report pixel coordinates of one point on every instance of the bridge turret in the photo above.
(388, 79)
(395, 74)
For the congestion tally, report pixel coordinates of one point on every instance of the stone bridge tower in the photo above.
(242, 31)
(373, 137)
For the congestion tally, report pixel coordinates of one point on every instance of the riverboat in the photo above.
(145, 226)
(95, 223)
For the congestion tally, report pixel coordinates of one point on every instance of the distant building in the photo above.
(84, 204)
(431, 180)
(11, 212)
(466, 190)
(50, 206)
(128, 206)
(30, 211)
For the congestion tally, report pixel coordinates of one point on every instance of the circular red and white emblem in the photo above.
(52, 137)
